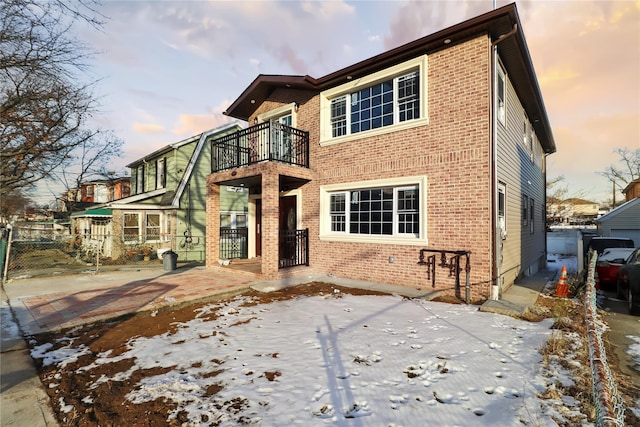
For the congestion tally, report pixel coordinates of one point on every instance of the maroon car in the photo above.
(608, 264)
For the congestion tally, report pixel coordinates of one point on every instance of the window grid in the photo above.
(338, 212)
(152, 227)
(408, 97)
(372, 107)
(376, 211)
(408, 216)
(379, 105)
(339, 116)
(131, 229)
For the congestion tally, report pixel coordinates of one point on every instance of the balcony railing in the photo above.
(267, 141)
(293, 248)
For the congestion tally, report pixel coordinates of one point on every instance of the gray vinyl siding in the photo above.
(623, 222)
(522, 169)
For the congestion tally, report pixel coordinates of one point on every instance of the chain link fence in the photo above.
(32, 253)
(608, 402)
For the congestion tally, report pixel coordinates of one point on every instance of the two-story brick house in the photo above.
(437, 145)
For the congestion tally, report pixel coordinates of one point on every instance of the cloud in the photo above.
(193, 124)
(147, 128)
(417, 19)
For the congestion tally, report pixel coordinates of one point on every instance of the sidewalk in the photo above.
(50, 303)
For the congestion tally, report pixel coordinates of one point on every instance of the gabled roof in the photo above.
(513, 51)
(631, 184)
(186, 176)
(631, 204)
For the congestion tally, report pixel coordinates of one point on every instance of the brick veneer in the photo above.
(452, 151)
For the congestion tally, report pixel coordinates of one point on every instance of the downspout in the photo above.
(496, 240)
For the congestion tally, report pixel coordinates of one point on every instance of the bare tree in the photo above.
(87, 162)
(44, 109)
(627, 169)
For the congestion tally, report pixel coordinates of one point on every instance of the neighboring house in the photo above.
(166, 208)
(632, 190)
(437, 145)
(572, 211)
(623, 221)
(119, 188)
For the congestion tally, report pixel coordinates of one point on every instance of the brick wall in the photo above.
(452, 151)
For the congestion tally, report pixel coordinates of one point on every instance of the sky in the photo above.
(168, 69)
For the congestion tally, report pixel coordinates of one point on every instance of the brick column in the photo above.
(213, 225)
(270, 211)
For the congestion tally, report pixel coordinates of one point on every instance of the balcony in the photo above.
(269, 141)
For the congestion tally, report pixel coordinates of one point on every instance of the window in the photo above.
(233, 220)
(338, 212)
(89, 190)
(152, 227)
(531, 216)
(382, 211)
(131, 228)
(140, 179)
(382, 104)
(136, 232)
(525, 210)
(391, 99)
(502, 220)
(161, 179)
(501, 96)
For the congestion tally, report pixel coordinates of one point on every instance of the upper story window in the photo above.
(501, 96)
(161, 179)
(140, 179)
(502, 209)
(381, 102)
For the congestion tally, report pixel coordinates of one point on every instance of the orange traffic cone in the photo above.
(562, 290)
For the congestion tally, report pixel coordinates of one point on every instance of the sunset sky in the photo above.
(169, 69)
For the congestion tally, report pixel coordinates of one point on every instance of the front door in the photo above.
(258, 227)
(288, 223)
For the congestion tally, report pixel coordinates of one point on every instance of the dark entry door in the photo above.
(287, 227)
(258, 227)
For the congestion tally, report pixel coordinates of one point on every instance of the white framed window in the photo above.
(152, 228)
(501, 96)
(377, 211)
(141, 227)
(131, 227)
(161, 179)
(140, 179)
(233, 220)
(385, 101)
(502, 209)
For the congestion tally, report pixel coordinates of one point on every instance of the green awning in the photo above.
(92, 212)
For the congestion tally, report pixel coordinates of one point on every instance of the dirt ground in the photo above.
(106, 404)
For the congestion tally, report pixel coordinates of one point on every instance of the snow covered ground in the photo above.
(345, 360)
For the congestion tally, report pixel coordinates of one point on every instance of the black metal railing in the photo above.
(293, 248)
(233, 243)
(264, 142)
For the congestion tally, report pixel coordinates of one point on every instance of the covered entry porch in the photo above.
(275, 239)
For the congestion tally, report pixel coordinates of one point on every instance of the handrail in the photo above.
(263, 142)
